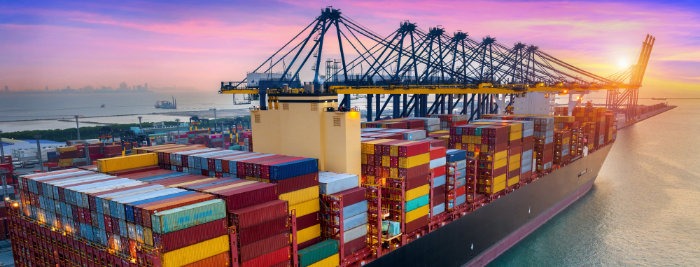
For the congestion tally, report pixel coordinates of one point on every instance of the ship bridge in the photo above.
(419, 72)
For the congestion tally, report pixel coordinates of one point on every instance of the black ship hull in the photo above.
(480, 236)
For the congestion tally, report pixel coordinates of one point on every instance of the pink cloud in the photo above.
(204, 46)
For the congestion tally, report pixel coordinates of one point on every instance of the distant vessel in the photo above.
(658, 98)
(102, 106)
(165, 104)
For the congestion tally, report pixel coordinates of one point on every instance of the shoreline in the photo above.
(187, 113)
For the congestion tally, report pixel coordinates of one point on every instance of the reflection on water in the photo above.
(644, 208)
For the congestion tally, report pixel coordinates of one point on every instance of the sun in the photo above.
(623, 63)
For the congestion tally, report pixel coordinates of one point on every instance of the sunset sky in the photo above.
(197, 44)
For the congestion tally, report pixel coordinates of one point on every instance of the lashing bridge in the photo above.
(410, 64)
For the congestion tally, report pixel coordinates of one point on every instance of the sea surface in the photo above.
(52, 110)
(643, 210)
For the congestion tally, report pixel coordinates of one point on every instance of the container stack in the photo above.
(297, 181)
(324, 253)
(457, 185)
(562, 147)
(174, 227)
(399, 134)
(263, 234)
(402, 169)
(254, 212)
(448, 121)
(438, 178)
(528, 144)
(344, 212)
(544, 143)
(490, 144)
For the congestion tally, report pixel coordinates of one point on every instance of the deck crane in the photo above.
(414, 67)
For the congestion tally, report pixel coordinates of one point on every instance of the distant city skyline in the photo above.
(196, 45)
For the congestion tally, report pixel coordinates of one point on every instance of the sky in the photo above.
(193, 45)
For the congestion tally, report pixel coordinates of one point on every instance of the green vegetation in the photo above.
(58, 135)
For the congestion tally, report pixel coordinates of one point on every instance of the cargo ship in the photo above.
(450, 197)
(165, 104)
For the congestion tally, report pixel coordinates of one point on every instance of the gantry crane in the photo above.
(413, 67)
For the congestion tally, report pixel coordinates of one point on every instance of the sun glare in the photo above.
(623, 63)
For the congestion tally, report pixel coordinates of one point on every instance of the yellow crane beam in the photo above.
(483, 88)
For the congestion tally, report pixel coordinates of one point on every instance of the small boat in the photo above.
(165, 104)
(102, 106)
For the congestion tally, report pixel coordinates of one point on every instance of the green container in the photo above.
(318, 252)
(417, 202)
(187, 216)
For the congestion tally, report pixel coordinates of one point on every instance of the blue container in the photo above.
(454, 155)
(355, 221)
(417, 202)
(439, 181)
(438, 209)
(355, 209)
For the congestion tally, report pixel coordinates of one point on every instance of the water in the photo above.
(643, 210)
(42, 111)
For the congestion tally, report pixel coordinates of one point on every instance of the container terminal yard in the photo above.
(318, 182)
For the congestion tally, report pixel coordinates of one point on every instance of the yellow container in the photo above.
(500, 163)
(332, 261)
(499, 179)
(496, 188)
(363, 158)
(127, 162)
(394, 151)
(500, 155)
(416, 192)
(417, 160)
(513, 180)
(65, 162)
(308, 233)
(458, 146)
(299, 196)
(306, 208)
(196, 252)
(386, 161)
(148, 236)
(66, 149)
(514, 162)
(417, 213)
(516, 135)
(515, 127)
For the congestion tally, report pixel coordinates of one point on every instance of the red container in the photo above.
(246, 196)
(414, 148)
(189, 236)
(222, 259)
(437, 152)
(351, 196)
(462, 190)
(439, 196)
(143, 173)
(354, 245)
(417, 181)
(260, 213)
(437, 172)
(264, 246)
(420, 170)
(417, 224)
(266, 229)
(297, 183)
(308, 220)
(272, 258)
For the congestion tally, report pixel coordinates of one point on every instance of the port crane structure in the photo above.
(462, 74)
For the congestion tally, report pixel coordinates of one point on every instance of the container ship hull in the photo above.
(482, 235)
